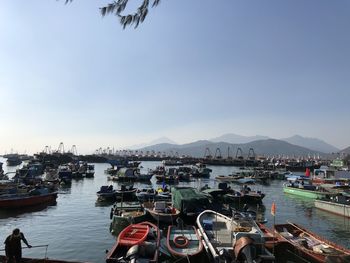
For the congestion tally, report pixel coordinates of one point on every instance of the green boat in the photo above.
(304, 192)
(124, 214)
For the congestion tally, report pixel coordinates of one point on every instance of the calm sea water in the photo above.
(77, 228)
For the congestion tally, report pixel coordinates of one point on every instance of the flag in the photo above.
(307, 172)
(273, 209)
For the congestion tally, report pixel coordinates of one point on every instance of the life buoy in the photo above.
(181, 241)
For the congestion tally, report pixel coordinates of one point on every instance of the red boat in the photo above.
(133, 234)
(138, 241)
(311, 246)
(24, 200)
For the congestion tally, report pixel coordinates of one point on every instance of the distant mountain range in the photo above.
(235, 138)
(228, 144)
(156, 141)
(346, 150)
(224, 149)
(312, 143)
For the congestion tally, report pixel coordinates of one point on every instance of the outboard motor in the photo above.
(132, 254)
(225, 256)
(245, 250)
(248, 254)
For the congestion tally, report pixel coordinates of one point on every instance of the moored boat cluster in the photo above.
(173, 221)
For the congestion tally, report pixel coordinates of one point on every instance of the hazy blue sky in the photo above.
(195, 69)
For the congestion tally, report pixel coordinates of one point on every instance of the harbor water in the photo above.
(77, 227)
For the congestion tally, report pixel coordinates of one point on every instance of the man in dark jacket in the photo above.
(13, 246)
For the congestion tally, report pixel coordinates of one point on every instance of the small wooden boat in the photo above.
(232, 240)
(133, 235)
(277, 245)
(311, 246)
(183, 242)
(162, 211)
(137, 243)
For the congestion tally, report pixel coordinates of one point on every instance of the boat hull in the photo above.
(163, 217)
(125, 218)
(119, 250)
(303, 192)
(234, 237)
(311, 246)
(335, 208)
(18, 202)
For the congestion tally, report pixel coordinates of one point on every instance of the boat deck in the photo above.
(219, 235)
(192, 237)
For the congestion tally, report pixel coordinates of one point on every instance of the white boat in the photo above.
(232, 240)
(339, 204)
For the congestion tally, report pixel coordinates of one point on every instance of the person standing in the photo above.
(13, 246)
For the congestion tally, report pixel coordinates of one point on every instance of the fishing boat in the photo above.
(13, 160)
(170, 176)
(189, 201)
(126, 192)
(338, 204)
(301, 188)
(145, 194)
(245, 196)
(163, 194)
(106, 193)
(311, 246)
(126, 213)
(245, 180)
(65, 174)
(131, 174)
(90, 171)
(200, 170)
(33, 197)
(184, 241)
(126, 174)
(232, 240)
(162, 211)
(136, 243)
(228, 178)
(172, 162)
(50, 175)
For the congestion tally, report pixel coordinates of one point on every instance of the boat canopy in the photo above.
(189, 200)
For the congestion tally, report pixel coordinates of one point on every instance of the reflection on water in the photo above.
(16, 212)
(77, 228)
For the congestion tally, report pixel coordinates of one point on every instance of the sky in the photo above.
(195, 69)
